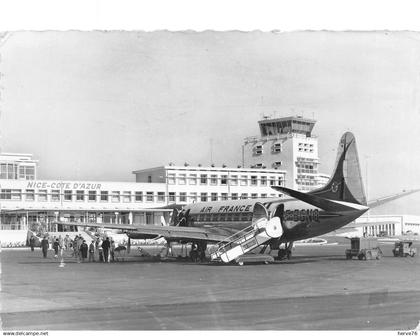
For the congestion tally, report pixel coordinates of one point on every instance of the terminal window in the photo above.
(244, 180)
(234, 180)
(223, 180)
(149, 196)
(126, 196)
(30, 195)
(104, 196)
(67, 195)
(8, 171)
(55, 195)
(161, 196)
(193, 178)
(182, 196)
(244, 196)
(182, 179)
(224, 196)
(171, 197)
(80, 195)
(213, 180)
(254, 180)
(203, 179)
(234, 196)
(263, 180)
(203, 197)
(42, 195)
(264, 195)
(92, 195)
(115, 196)
(6, 194)
(171, 178)
(193, 197)
(254, 195)
(139, 196)
(214, 196)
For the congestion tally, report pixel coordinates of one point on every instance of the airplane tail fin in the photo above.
(346, 182)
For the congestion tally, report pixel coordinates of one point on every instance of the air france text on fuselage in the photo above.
(227, 208)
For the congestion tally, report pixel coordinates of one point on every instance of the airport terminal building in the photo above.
(27, 202)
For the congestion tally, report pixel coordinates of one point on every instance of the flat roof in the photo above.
(214, 169)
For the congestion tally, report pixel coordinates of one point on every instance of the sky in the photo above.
(98, 105)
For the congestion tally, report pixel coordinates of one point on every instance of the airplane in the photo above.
(239, 226)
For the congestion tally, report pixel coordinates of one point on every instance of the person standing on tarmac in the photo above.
(92, 252)
(112, 250)
(56, 245)
(44, 246)
(83, 251)
(32, 242)
(105, 246)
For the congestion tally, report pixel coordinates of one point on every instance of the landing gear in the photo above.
(198, 252)
(286, 252)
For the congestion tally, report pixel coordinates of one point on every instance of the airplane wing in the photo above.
(167, 232)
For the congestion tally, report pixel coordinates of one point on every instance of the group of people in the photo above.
(101, 249)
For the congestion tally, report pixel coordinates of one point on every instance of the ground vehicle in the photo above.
(364, 249)
(404, 248)
(254, 258)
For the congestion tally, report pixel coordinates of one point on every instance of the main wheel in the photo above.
(240, 263)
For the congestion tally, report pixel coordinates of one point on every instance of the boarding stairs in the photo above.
(247, 239)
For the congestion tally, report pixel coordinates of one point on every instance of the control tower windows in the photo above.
(276, 148)
(258, 150)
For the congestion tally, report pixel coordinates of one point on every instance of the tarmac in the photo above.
(318, 289)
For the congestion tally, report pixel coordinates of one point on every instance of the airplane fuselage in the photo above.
(300, 220)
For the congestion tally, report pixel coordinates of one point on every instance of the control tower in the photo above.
(287, 144)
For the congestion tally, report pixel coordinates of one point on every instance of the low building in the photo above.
(384, 226)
